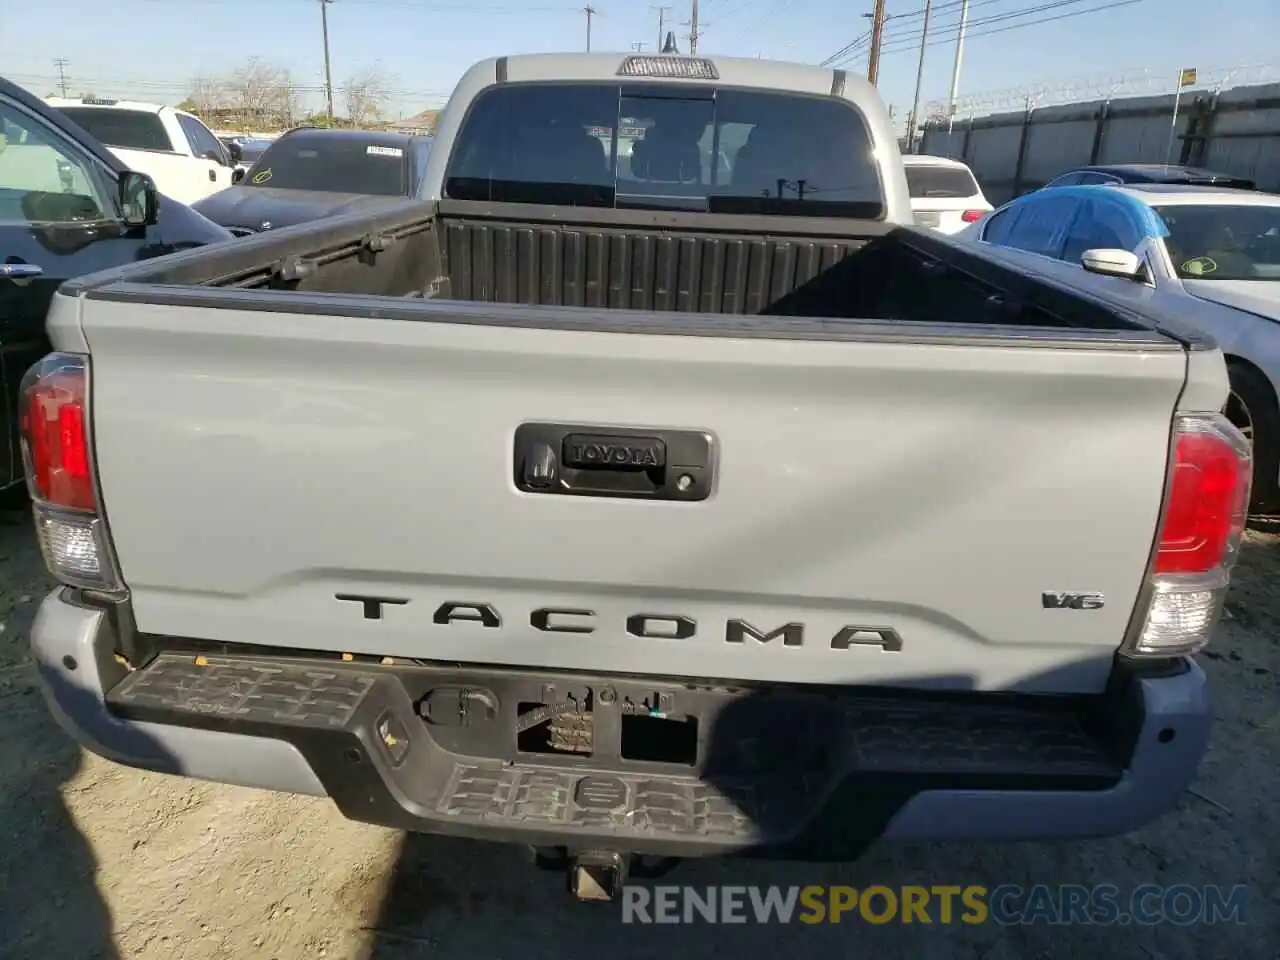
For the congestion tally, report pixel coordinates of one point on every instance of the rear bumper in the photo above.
(798, 774)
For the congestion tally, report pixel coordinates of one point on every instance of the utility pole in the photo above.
(955, 70)
(662, 21)
(877, 32)
(61, 64)
(328, 71)
(915, 103)
(590, 11)
(693, 29)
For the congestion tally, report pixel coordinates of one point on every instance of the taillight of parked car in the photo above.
(1202, 524)
(973, 216)
(58, 460)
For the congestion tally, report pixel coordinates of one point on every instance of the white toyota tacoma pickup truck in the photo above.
(617, 500)
(174, 148)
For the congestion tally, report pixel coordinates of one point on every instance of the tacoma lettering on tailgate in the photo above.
(652, 626)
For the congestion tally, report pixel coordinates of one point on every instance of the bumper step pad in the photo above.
(853, 746)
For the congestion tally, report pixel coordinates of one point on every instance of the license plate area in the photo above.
(929, 219)
(627, 724)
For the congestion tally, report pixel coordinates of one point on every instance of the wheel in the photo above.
(1252, 408)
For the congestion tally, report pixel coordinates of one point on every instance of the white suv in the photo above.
(944, 194)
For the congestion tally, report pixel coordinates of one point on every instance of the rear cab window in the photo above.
(333, 163)
(125, 129)
(928, 181)
(666, 146)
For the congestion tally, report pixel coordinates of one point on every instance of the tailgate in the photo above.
(881, 511)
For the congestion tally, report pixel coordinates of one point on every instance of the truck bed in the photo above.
(895, 448)
(619, 260)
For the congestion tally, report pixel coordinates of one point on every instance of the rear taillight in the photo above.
(58, 460)
(1205, 510)
(973, 216)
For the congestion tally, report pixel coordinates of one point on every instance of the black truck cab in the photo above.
(68, 207)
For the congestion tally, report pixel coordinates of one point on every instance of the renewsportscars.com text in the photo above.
(1008, 904)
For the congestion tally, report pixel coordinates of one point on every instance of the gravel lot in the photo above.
(100, 861)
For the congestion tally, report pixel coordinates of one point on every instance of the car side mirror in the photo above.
(237, 174)
(1112, 263)
(236, 153)
(139, 199)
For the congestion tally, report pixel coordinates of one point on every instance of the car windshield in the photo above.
(332, 163)
(125, 129)
(1223, 241)
(929, 181)
(254, 148)
(665, 146)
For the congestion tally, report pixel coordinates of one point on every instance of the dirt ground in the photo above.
(100, 861)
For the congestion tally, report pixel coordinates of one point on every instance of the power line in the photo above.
(1021, 13)
(774, 8)
(1021, 25)
(854, 44)
(912, 36)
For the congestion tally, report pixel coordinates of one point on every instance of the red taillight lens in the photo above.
(973, 216)
(54, 439)
(1208, 499)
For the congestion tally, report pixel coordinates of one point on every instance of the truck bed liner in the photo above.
(630, 260)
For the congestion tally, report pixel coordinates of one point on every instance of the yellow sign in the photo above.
(1188, 77)
(261, 177)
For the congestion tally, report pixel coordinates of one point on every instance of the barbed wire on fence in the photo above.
(1083, 89)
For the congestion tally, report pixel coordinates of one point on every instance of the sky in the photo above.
(150, 49)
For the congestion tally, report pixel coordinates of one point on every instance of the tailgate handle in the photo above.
(584, 461)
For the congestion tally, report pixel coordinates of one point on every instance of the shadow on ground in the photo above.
(50, 905)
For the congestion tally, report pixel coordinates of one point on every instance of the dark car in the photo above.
(68, 207)
(310, 173)
(245, 152)
(1149, 173)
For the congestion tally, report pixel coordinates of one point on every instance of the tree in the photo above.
(263, 93)
(366, 95)
(206, 95)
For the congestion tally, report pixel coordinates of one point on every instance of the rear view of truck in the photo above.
(619, 581)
